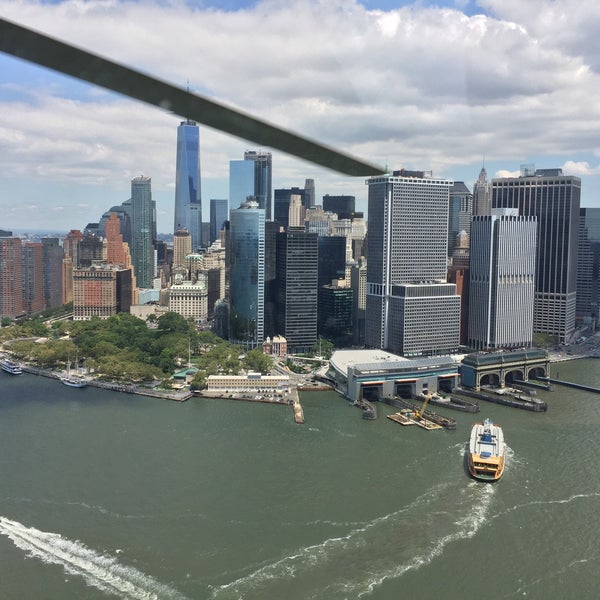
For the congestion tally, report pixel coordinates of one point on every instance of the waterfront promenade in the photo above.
(130, 388)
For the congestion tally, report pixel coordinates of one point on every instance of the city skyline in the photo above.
(440, 88)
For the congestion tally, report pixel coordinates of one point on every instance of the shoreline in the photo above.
(184, 395)
(127, 388)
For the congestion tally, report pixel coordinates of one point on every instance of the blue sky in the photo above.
(427, 85)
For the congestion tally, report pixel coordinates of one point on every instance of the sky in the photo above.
(443, 86)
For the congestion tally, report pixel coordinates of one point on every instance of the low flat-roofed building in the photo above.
(378, 374)
(250, 383)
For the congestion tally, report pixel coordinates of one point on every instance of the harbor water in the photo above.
(109, 495)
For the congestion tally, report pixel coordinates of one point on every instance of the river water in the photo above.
(108, 495)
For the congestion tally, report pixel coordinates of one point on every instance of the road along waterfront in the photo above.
(116, 495)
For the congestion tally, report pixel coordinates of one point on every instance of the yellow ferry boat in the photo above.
(486, 451)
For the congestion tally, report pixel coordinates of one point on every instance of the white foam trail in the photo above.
(100, 571)
(309, 561)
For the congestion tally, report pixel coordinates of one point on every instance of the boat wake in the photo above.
(354, 564)
(100, 571)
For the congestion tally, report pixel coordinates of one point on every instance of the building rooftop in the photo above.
(380, 360)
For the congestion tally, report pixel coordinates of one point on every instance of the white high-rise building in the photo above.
(410, 307)
(502, 280)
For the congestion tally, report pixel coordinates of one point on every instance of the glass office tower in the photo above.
(218, 216)
(251, 178)
(247, 273)
(143, 219)
(188, 201)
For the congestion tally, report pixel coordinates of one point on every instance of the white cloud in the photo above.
(417, 87)
(502, 173)
(580, 169)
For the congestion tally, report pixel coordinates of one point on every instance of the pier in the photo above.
(578, 386)
(508, 399)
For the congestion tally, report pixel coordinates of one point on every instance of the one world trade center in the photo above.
(188, 201)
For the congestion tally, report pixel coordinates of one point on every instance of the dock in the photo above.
(298, 413)
(515, 400)
(407, 406)
(407, 417)
(578, 386)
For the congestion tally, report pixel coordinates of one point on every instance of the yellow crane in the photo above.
(419, 412)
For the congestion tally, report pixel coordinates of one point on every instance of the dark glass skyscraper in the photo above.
(588, 268)
(188, 200)
(460, 213)
(263, 167)
(297, 274)
(251, 178)
(247, 272)
(218, 216)
(143, 226)
(343, 206)
(554, 199)
(281, 203)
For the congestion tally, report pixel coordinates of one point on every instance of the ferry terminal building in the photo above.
(376, 374)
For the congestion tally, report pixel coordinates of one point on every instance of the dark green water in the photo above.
(109, 495)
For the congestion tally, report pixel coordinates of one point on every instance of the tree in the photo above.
(323, 348)
(256, 360)
(173, 322)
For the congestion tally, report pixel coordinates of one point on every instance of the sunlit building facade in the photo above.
(502, 280)
(554, 199)
(410, 308)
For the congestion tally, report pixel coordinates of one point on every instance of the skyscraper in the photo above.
(554, 199)
(296, 212)
(142, 247)
(11, 299)
(117, 251)
(263, 167)
(482, 194)
(502, 280)
(53, 261)
(218, 216)
(247, 272)
(281, 203)
(70, 262)
(460, 213)
(182, 246)
(588, 267)
(251, 178)
(309, 193)
(101, 290)
(410, 309)
(297, 290)
(241, 181)
(188, 199)
(32, 277)
(343, 206)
